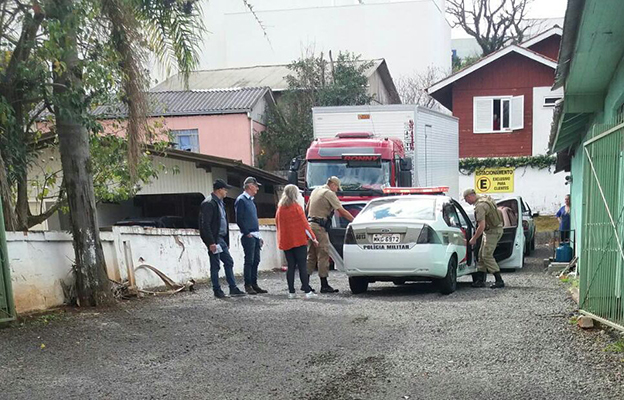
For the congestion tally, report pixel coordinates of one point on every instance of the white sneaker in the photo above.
(292, 295)
(311, 295)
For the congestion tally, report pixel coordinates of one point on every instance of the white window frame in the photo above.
(549, 105)
(175, 133)
(513, 101)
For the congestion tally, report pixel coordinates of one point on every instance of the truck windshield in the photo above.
(352, 178)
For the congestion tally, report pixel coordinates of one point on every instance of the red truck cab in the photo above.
(365, 164)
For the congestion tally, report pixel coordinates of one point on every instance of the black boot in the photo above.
(325, 288)
(479, 281)
(499, 281)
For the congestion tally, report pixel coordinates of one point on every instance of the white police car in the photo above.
(415, 238)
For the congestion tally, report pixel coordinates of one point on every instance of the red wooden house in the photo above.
(504, 101)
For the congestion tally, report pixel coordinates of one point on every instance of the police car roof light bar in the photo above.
(416, 190)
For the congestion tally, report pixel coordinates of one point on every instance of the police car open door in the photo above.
(510, 250)
(338, 230)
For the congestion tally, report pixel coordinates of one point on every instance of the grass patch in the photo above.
(570, 280)
(616, 347)
(546, 223)
(573, 320)
(43, 319)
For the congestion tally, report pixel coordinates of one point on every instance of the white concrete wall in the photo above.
(410, 34)
(542, 190)
(542, 118)
(39, 261)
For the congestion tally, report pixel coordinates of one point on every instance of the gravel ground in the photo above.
(404, 342)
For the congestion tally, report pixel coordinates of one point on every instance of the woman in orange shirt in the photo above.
(293, 233)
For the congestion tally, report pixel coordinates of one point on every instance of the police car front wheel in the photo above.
(358, 284)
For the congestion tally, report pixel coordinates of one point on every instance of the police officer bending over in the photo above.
(323, 202)
(490, 224)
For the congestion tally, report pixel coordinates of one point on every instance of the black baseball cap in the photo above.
(251, 181)
(220, 184)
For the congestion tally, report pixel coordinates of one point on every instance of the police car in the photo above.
(419, 237)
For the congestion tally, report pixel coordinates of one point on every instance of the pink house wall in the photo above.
(226, 135)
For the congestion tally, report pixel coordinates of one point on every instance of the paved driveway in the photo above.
(404, 342)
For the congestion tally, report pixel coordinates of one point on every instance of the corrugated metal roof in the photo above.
(273, 76)
(191, 102)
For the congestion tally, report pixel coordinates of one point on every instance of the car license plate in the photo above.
(386, 238)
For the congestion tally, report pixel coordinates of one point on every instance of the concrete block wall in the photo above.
(40, 261)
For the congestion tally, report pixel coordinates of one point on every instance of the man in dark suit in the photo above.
(215, 233)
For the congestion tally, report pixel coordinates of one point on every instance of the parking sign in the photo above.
(494, 180)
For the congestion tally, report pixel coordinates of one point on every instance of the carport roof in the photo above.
(205, 161)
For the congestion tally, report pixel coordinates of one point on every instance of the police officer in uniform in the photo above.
(323, 202)
(490, 224)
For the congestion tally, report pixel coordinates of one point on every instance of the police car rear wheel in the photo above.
(448, 284)
(358, 285)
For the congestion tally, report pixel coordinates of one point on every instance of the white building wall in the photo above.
(179, 254)
(542, 190)
(542, 118)
(411, 34)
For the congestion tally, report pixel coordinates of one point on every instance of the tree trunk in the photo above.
(22, 206)
(10, 220)
(92, 284)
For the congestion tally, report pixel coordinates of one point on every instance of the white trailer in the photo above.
(431, 138)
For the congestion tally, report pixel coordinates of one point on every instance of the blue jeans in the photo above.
(228, 265)
(251, 246)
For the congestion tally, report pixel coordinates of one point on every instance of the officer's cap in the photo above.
(334, 180)
(468, 192)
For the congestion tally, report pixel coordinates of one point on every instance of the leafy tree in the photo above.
(461, 63)
(493, 23)
(315, 81)
(70, 56)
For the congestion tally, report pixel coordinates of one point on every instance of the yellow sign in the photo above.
(494, 180)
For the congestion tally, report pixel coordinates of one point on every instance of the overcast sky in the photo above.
(539, 9)
(548, 8)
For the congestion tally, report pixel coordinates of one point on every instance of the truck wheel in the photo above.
(448, 284)
(358, 284)
(533, 243)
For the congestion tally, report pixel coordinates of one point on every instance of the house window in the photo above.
(550, 101)
(498, 114)
(187, 139)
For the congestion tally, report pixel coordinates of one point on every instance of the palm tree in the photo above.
(172, 29)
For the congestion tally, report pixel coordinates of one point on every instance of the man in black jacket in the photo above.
(215, 233)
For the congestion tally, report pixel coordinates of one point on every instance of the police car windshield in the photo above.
(398, 208)
(352, 178)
